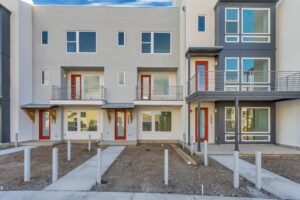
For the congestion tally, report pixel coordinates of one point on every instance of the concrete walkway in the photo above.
(68, 195)
(83, 178)
(14, 150)
(277, 185)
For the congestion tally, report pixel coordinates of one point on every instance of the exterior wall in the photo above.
(288, 33)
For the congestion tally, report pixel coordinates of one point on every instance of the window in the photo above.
(156, 42)
(161, 85)
(232, 70)
(201, 23)
(147, 121)
(163, 121)
(91, 87)
(82, 42)
(256, 21)
(83, 121)
(72, 121)
(229, 120)
(255, 70)
(121, 78)
(255, 120)
(232, 21)
(44, 77)
(121, 38)
(44, 37)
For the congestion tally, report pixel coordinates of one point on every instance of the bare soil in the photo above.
(283, 165)
(140, 169)
(11, 166)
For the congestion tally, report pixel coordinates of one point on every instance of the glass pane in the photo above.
(121, 124)
(72, 121)
(46, 124)
(231, 27)
(255, 120)
(161, 85)
(232, 14)
(162, 43)
(256, 39)
(255, 21)
(232, 77)
(146, 37)
(146, 88)
(92, 87)
(232, 64)
(121, 38)
(163, 121)
(88, 121)
(201, 77)
(232, 39)
(229, 120)
(147, 122)
(146, 48)
(201, 23)
(87, 42)
(71, 36)
(45, 37)
(256, 70)
(71, 47)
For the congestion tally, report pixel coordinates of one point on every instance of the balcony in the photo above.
(77, 95)
(260, 85)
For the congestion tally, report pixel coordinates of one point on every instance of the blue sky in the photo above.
(106, 2)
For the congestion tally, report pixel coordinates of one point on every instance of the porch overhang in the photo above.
(253, 96)
(31, 108)
(203, 51)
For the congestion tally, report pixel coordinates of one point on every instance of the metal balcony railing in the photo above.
(245, 81)
(169, 93)
(70, 92)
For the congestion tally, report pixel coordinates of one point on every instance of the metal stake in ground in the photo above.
(183, 140)
(258, 170)
(166, 171)
(27, 164)
(205, 153)
(69, 151)
(16, 140)
(236, 173)
(89, 143)
(54, 164)
(98, 166)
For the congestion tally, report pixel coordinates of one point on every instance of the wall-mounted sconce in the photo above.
(216, 63)
(65, 75)
(216, 110)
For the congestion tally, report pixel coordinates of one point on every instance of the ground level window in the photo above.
(147, 121)
(83, 121)
(255, 120)
(163, 121)
(230, 120)
(72, 121)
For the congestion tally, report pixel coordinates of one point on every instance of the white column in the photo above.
(98, 166)
(69, 151)
(236, 173)
(166, 174)
(27, 164)
(205, 153)
(54, 164)
(89, 143)
(16, 140)
(258, 170)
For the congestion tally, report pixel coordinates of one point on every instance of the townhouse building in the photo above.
(128, 75)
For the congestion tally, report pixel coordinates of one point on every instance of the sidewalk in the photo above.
(70, 195)
(83, 178)
(277, 185)
(14, 150)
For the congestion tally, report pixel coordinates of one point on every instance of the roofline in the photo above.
(2, 6)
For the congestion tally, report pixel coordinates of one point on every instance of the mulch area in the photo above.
(140, 169)
(11, 166)
(283, 165)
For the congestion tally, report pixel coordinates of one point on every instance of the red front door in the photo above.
(75, 86)
(44, 125)
(204, 124)
(120, 125)
(146, 87)
(201, 70)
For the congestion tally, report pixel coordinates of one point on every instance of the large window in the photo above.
(83, 121)
(232, 70)
(147, 121)
(156, 42)
(255, 70)
(91, 86)
(161, 85)
(256, 21)
(163, 121)
(82, 42)
(229, 120)
(255, 120)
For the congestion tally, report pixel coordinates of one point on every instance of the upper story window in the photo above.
(44, 37)
(156, 42)
(121, 38)
(81, 42)
(201, 23)
(232, 24)
(44, 77)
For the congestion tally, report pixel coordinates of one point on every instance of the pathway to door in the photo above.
(271, 182)
(83, 178)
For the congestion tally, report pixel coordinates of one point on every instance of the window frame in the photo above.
(238, 21)
(204, 23)
(118, 78)
(77, 42)
(45, 76)
(152, 43)
(78, 115)
(242, 21)
(255, 58)
(225, 119)
(269, 120)
(42, 38)
(238, 71)
(153, 128)
(124, 38)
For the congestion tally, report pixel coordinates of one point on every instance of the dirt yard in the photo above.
(283, 165)
(11, 166)
(140, 169)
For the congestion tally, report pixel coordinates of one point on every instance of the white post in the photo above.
(98, 166)
(205, 153)
(258, 170)
(166, 174)
(69, 151)
(27, 164)
(89, 143)
(183, 141)
(54, 164)
(16, 140)
(236, 173)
